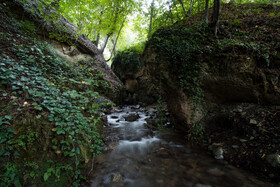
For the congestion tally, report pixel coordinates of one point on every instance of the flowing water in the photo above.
(137, 156)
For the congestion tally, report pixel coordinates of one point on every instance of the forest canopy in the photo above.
(117, 24)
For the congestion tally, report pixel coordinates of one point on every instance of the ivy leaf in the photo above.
(46, 176)
(60, 131)
(17, 183)
(8, 117)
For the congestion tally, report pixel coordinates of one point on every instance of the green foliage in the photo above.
(64, 105)
(180, 47)
(28, 27)
(128, 60)
(197, 131)
(160, 115)
(236, 23)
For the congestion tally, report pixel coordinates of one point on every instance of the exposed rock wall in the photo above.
(179, 105)
(240, 78)
(139, 85)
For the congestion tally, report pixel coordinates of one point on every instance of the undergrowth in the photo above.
(127, 60)
(49, 119)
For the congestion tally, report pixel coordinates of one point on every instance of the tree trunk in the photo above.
(182, 4)
(97, 39)
(151, 19)
(105, 43)
(216, 14)
(116, 40)
(191, 6)
(206, 11)
(99, 23)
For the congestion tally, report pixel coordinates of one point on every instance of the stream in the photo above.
(137, 156)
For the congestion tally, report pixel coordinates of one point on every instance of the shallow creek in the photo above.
(137, 156)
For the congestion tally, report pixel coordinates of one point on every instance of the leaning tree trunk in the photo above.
(105, 43)
(115, 42)
(216, 14)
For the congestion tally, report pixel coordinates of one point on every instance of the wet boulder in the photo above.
(132, 117)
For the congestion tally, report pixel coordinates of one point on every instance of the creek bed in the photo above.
(138, 156)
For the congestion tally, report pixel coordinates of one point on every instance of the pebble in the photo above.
(253, 122)
(218, 153)
(202, 185)
(116, 177)
(243, 140)
(215, 171)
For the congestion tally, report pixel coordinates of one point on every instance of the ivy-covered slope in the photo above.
(241, 64)
(50, 124)
(51, 24)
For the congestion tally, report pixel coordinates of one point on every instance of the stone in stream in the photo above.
(114, 117)
(215, 171)
(116, 110)
(151, 123)
(253, 122)
(202, 185)
(132, 117)
(218, 153)
(104, 119)
(116, 177)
